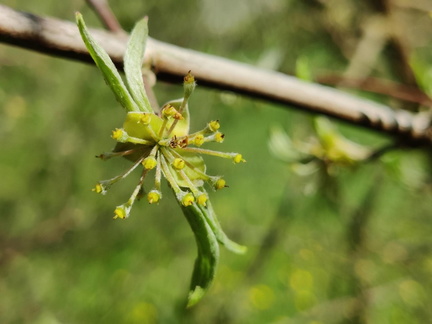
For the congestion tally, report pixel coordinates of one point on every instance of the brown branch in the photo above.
(171, 63)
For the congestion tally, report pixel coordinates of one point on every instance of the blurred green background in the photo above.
(341, 245)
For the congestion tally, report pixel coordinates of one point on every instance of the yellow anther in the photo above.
(98, 188)
(178, 163)
(120, 212)
(202, 199)
(178, 116)
(214, 125)
(220, 183)
(145, 119)
(169, 111)
(238, 158)
(153, 197)
(149, 163)
(189, 78)
(219, 137)
(188, 200)
(117, 133)
(199, 140)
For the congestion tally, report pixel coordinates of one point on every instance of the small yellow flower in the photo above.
(219, 137)
(179, 164)
(120, 212)
(149, 163)
(220, 183)
(98, 188)
(202, 199)
(199, 140)
(153, 197)
(214, 125)
(145, 119)
(188, 199)
(169, 111)
(238, 158)
(163, 143)
(117, 133)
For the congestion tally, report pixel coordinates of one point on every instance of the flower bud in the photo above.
(238, 158)
(214, 125)
(198, 140)
(121, 212)
(154, 196)
(120, 135)
(219, 184)
(145, 119)
(188, 199)
(202, 199)
(219, 137)
(99, 189)
(189, 84)
(149, 163)
(178, 163)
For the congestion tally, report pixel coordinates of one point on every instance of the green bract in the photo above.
(162, 144)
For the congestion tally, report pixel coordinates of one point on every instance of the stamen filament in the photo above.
(168, 175)
(109, 155)
(108, 183)
(198, 150)
(137, 189)
(192, 187)
(189, 165)
(152, 133)
(162, 129)
(136, 140)
(173, 125)
(158, 173)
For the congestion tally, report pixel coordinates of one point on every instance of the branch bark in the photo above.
(171, 63)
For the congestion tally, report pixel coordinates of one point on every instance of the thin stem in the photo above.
(105, 14)
(111, 181)
(168, 175)
(197, 150)
(109, 155)
(158, 172)
(190, 166)
(137, 189)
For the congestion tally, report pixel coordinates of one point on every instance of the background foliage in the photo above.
(347, 246)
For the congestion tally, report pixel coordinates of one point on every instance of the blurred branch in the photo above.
(399, 55)
(103, 10)
(385, 87)
(171, 63)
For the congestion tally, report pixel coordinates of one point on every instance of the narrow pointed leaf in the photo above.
(208, 254)
(211, 218)
(107, 67)
(133, 65)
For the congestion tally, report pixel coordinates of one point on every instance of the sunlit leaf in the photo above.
(109, 71)
(208, 254)
(133, 64)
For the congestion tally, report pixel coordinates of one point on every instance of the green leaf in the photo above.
(107, 67)
(212, 220)
(133, 64)
(208, 254)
